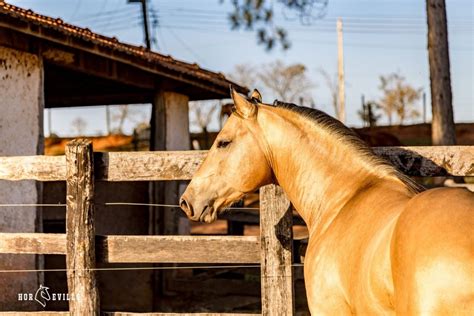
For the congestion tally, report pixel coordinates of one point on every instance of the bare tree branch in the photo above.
(288, 83)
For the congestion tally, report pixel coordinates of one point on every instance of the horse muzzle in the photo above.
(197, 211)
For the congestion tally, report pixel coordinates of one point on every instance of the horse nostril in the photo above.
(186, 207)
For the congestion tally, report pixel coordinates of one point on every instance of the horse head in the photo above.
(235, 165)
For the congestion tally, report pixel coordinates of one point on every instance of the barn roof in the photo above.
(54, 30)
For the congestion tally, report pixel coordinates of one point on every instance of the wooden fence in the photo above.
(80, 167)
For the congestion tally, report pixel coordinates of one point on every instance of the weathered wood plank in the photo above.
(34, 313)
(175, 314)
(181, 165)
(80, 230)
(41, 168)
(179, 249)
(276, 252)
(149, 166)
(431, 161)
(23, 243)
(125, 314)
(144, 249)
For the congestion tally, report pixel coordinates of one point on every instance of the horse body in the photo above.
(376, 246)
(358, 255)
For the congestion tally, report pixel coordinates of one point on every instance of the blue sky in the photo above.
(380, 37)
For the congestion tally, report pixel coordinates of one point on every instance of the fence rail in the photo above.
(80, 167)
(181, 165)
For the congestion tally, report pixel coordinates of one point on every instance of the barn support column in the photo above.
(169, 131)
(21, 133)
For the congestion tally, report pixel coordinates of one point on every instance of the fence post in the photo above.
(80, 230)
(276, 252)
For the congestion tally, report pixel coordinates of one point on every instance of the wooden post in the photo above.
(276, 252)
(340, 73)
(80, 230)
(442, 123)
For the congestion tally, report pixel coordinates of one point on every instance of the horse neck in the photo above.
(318, 173)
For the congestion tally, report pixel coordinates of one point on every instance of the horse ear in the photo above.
(256, 95)
(243, 107)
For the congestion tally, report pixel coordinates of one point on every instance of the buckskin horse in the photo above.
(378, 243)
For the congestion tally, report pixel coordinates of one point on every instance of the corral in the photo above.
(272, 251)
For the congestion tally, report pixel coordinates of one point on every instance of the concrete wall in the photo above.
(21, 133)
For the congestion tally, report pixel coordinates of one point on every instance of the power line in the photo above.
(323, 29)
(76, 8)
(109, 18)
(188, 48)
(118, 23)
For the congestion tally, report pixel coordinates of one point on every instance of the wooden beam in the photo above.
(181, 165)
(179, 249)
(80, 230)
(430, 160)
(124, 314)
(149, 166)
(176, 314)
(59, 101)
(23, 243)
(41, 168)
(276, 252)
(34, 313)
(144, 249)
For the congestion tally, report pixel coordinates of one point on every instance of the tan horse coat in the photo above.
(376, 245)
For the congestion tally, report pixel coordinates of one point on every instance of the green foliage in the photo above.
(259, 15)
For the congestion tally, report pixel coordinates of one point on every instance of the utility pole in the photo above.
(145, 21)
(107, 119)
(340, 72)
(49, 122)
(424, 107)
(442, 123)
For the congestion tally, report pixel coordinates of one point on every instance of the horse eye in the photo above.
(223, 143)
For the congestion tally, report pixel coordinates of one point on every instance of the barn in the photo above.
(47, 63)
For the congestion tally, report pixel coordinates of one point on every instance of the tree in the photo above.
(288, 83)
(78, 126)
(368, 113)
(123, 113)
(398, 98)
(244, 75)
(201, 114)
(333, 85)
(259, 15)
(442, 127)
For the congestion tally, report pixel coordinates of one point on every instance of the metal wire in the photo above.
(114, 204)
(33, 205)
(144, 268)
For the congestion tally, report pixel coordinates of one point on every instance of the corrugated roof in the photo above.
(114, 44)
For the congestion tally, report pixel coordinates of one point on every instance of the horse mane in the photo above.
(347, 135)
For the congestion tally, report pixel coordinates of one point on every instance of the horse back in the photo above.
(433, 253)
